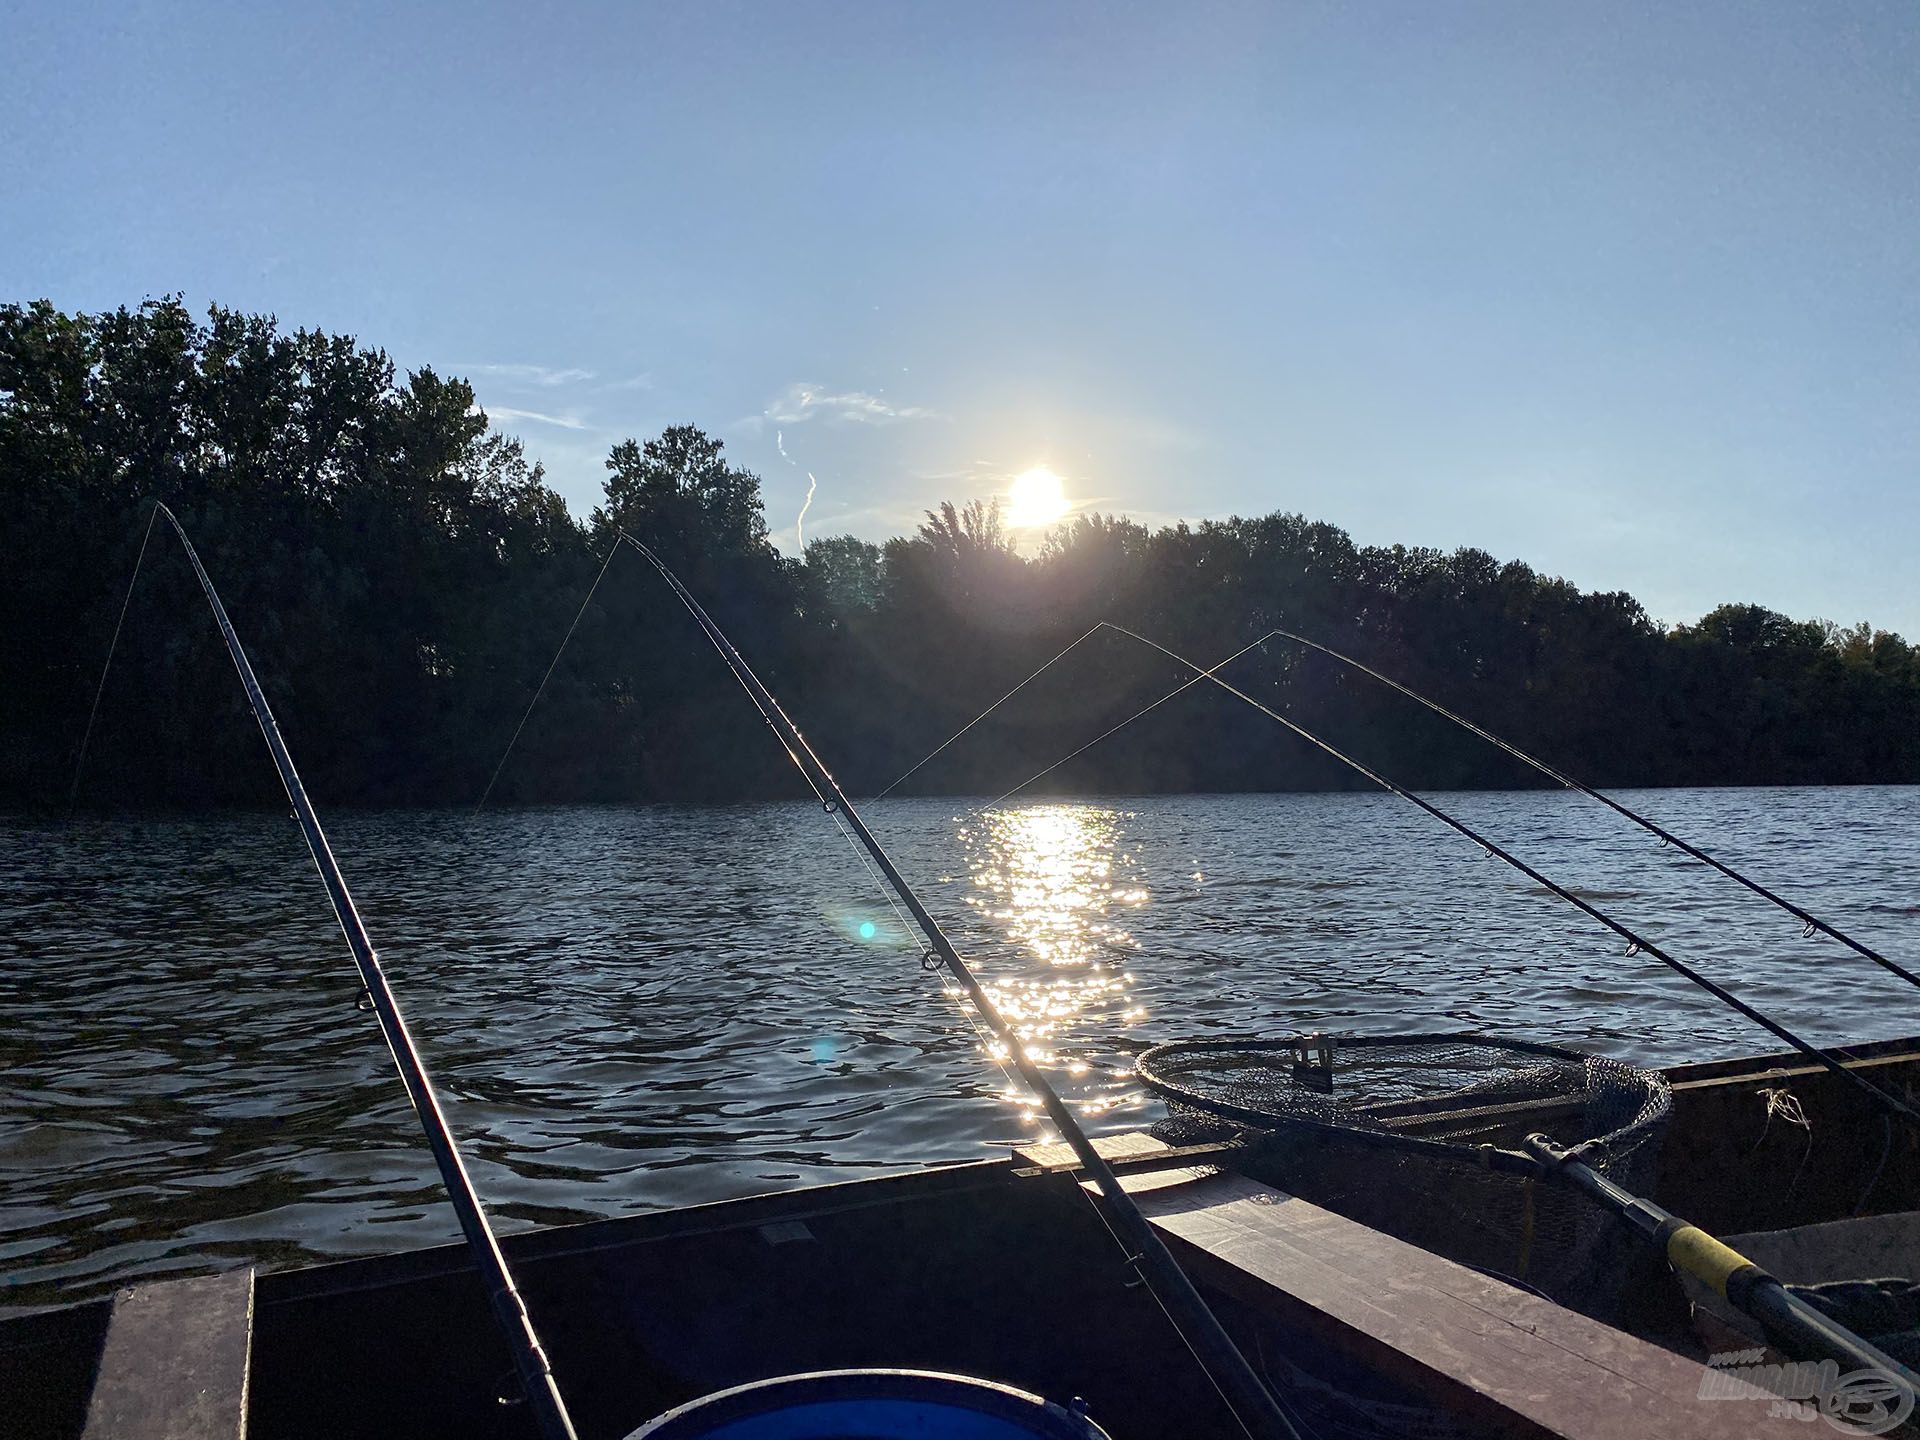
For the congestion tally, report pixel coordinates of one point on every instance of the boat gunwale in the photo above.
(925, 1183)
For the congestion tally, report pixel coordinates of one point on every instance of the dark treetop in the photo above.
(402, 575)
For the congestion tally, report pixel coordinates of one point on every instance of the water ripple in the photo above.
(629, 1009)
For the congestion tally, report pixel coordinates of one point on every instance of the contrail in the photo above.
(800, 520)
(799, 534)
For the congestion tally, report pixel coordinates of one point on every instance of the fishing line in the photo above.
(905, 922)
(1635, 943)
(1252, 1403)
(540, 690)
(1666, 837)
(952, 995)
(1178, 690)
(530, 1359)
(86, 735)
(881, 795)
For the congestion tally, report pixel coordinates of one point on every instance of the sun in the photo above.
(1036, 499)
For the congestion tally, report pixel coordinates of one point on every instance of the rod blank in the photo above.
(1246, 1394)
(530, 1360)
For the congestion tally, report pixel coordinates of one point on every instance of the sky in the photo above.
(1628, 291)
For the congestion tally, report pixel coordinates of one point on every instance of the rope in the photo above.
(86, 735)
(541, 689)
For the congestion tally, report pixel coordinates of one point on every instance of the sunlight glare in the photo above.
(1047, 880)
(1036, 499)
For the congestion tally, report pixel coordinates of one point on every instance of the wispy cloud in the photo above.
(975, 472)
(509, 414)
(801, 402)
(642, 381)
(545, 376)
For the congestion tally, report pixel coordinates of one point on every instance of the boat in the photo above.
(1003, 1269)
(1330, 1237)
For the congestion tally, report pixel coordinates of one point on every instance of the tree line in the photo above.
(402, 575)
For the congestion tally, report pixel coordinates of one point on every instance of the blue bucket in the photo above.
(871, 1405)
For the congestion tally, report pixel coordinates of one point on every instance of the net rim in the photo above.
(1493, 1156)
(1146, 1059)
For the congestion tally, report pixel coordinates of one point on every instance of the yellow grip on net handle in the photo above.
(1790, 1323)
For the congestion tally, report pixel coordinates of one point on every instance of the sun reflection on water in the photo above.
(1051, 887)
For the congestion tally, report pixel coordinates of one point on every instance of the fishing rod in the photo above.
(931, 754)
(1796, 1327)
(1177, 690)
(541, 689)
(1635, 942)
(1810, 921)
(1246, 1396)
(530, 1359)
(1666, 837)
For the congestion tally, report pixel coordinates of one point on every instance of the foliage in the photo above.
(402, 575)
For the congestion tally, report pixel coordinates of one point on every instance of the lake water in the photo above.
(633, 1008)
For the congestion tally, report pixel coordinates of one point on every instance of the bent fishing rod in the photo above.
(1247, 1397)
(1812, 923)
(1635, 942)
(1666, 837)
(529, 1358)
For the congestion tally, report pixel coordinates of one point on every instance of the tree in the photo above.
(403, 574)
(680, 495)
(845, 574)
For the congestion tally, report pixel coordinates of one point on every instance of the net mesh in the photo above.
(1421, 1136)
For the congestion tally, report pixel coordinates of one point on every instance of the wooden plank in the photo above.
(1137, 1147)
(174, 1366)
(1138, 1182)
(1132, 1145)
(1478, 1346)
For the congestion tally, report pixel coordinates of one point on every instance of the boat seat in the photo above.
(174, 1363)
(1500, 1357)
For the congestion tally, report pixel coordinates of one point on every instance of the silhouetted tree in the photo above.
(403, 574)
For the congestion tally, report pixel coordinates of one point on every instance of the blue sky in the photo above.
(1631, 292)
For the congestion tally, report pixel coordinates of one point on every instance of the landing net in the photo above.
(1420, 1136)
